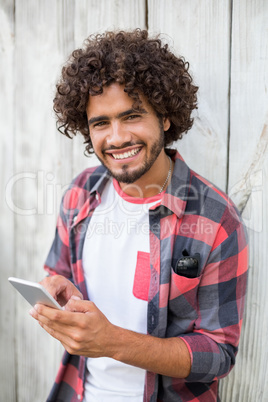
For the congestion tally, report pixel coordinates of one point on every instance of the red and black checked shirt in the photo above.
(194, 218)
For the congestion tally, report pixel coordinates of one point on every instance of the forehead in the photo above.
(113, 99)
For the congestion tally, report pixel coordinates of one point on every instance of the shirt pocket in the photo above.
(142, 276)
(182, 285)
(183, 303)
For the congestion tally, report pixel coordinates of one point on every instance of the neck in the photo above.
(150, 184)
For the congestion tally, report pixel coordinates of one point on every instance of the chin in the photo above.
(127, 177)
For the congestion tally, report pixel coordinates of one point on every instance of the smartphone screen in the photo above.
(34, 293)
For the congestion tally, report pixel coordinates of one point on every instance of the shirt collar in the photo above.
(175, 196)
(98, 180)
(94, 187)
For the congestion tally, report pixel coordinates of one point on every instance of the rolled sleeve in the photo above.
(209, 359)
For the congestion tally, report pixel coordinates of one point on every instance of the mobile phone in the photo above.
(34, 293)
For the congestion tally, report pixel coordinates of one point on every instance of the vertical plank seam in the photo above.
(16, 380)
(146, 15)
(229, 97)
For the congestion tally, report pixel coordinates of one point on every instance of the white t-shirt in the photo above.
(117, 273)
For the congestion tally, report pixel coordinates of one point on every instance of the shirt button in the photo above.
(79, 397)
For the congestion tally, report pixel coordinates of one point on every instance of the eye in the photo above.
(100, 124)
(133, 116)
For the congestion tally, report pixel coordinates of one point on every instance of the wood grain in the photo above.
(226, 43)
(7, 247)
(199, 31)
(38, 163)
(248, 177)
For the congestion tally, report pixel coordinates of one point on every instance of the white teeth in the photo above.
(126, 154)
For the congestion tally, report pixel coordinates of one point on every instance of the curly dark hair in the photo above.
(142, 64)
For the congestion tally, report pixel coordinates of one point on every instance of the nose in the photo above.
(118, 135)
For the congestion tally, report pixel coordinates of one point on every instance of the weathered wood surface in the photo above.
(199, 31)
(8, 358)
(227, 47)
(248, 178)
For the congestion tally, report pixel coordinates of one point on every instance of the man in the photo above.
(149, 259)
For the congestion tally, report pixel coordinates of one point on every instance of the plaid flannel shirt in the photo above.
(205, 311)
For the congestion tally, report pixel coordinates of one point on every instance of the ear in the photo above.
(166, 123)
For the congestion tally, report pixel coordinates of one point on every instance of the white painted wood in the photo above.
(37, 162)
(7, 298)
(199, 31)
(248, 177)
(44, 163)
(38, 52)
(97, 17)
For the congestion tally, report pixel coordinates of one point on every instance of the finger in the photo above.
(54, 284)
(81, 306)
(61, 288)
(57, 325)
(71, 291)
(42, 312)
(49, 316)
(62, 337)
(59, 320)
(68, 335)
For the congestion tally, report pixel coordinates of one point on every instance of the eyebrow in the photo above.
(119, 116)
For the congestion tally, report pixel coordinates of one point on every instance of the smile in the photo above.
(127, 154)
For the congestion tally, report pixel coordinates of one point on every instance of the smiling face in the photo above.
(129, 143)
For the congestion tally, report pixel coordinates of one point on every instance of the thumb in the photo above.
(76, 297)
(75, 304)
(76, 294)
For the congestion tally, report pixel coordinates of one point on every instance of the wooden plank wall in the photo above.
(226, 43)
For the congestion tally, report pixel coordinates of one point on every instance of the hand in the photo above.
(81, 328)
(61, 288)
(84, 330)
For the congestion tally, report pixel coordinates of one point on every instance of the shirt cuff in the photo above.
(209, 359)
